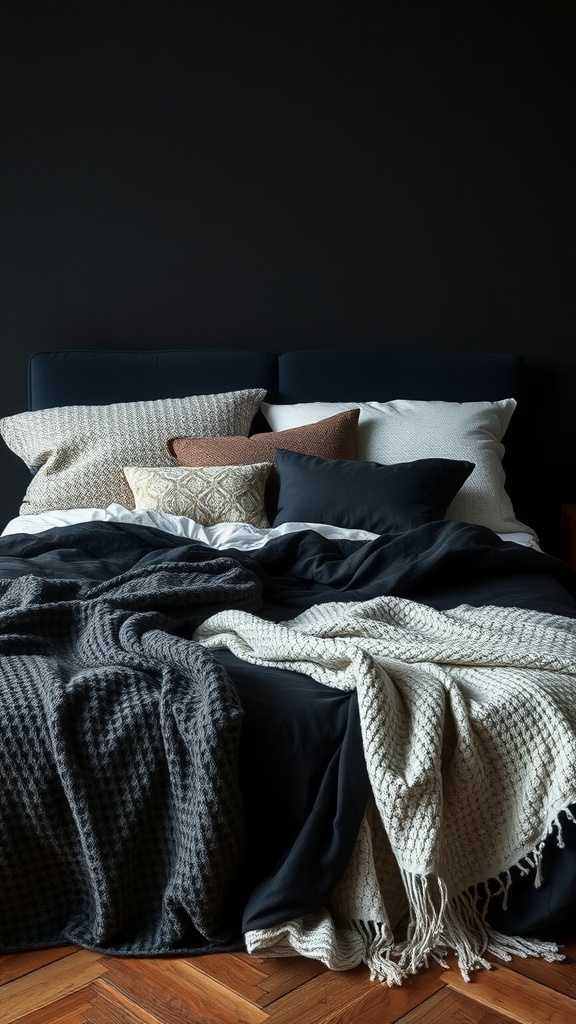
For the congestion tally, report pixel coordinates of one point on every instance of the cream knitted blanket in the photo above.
(469, 729)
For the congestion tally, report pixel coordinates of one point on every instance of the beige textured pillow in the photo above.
(79, 451)
(206, 494)
(331, 438)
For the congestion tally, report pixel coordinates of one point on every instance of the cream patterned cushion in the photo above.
(403, 430)
(78, 452)
(206, 494)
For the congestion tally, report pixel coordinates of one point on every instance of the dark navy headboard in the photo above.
(383, 376)
(94, 377)
(88, 377)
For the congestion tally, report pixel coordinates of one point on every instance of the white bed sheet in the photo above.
(226, 535)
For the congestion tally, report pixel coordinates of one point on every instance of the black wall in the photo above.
(284, 175)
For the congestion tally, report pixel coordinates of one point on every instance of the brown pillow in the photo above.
(331, 438)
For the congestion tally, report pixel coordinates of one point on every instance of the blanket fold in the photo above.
(469, 730)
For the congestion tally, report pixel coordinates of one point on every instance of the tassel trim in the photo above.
(438, 926)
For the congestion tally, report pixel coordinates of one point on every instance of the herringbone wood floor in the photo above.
(73, 986)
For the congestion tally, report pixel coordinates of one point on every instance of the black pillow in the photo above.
(366, 495)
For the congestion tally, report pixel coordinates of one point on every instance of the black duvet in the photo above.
(156, 799)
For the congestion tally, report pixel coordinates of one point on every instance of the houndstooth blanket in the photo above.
(469, 729)
(121, 825)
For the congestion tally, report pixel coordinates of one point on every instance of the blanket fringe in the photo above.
(440, 926)
(467, 932)
(379, 952)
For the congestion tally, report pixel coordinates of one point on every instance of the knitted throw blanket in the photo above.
(469, 729)
(121, 816)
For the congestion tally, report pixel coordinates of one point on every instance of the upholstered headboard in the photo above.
(80, 377)
(90, 377)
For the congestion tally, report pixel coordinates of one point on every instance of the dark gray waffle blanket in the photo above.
(121, 825)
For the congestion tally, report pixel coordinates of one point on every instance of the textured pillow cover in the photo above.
(366, 495)
(206, 494)
(403, 430)
(330, 438)
(79, 451)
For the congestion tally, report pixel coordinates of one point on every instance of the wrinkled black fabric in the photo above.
(305, 786)
(442, 564)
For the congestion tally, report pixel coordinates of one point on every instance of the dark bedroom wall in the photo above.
(284, 175)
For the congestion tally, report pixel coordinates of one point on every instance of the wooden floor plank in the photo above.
(242, 975)
(448, 1007)
(109, 1006)
(178, 994)
(47, 985)
(375, 1001)
(288, 973)
(516, 996)
(314, 1002)
(560, 976)
(72, 1009)
(12, 966)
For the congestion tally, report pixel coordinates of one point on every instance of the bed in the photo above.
(282, 670)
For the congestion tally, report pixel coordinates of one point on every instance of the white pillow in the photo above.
(404, 430)
(207, 494)
(79, 451)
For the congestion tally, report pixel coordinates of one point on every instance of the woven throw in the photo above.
(120, 808)
(469, 730)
